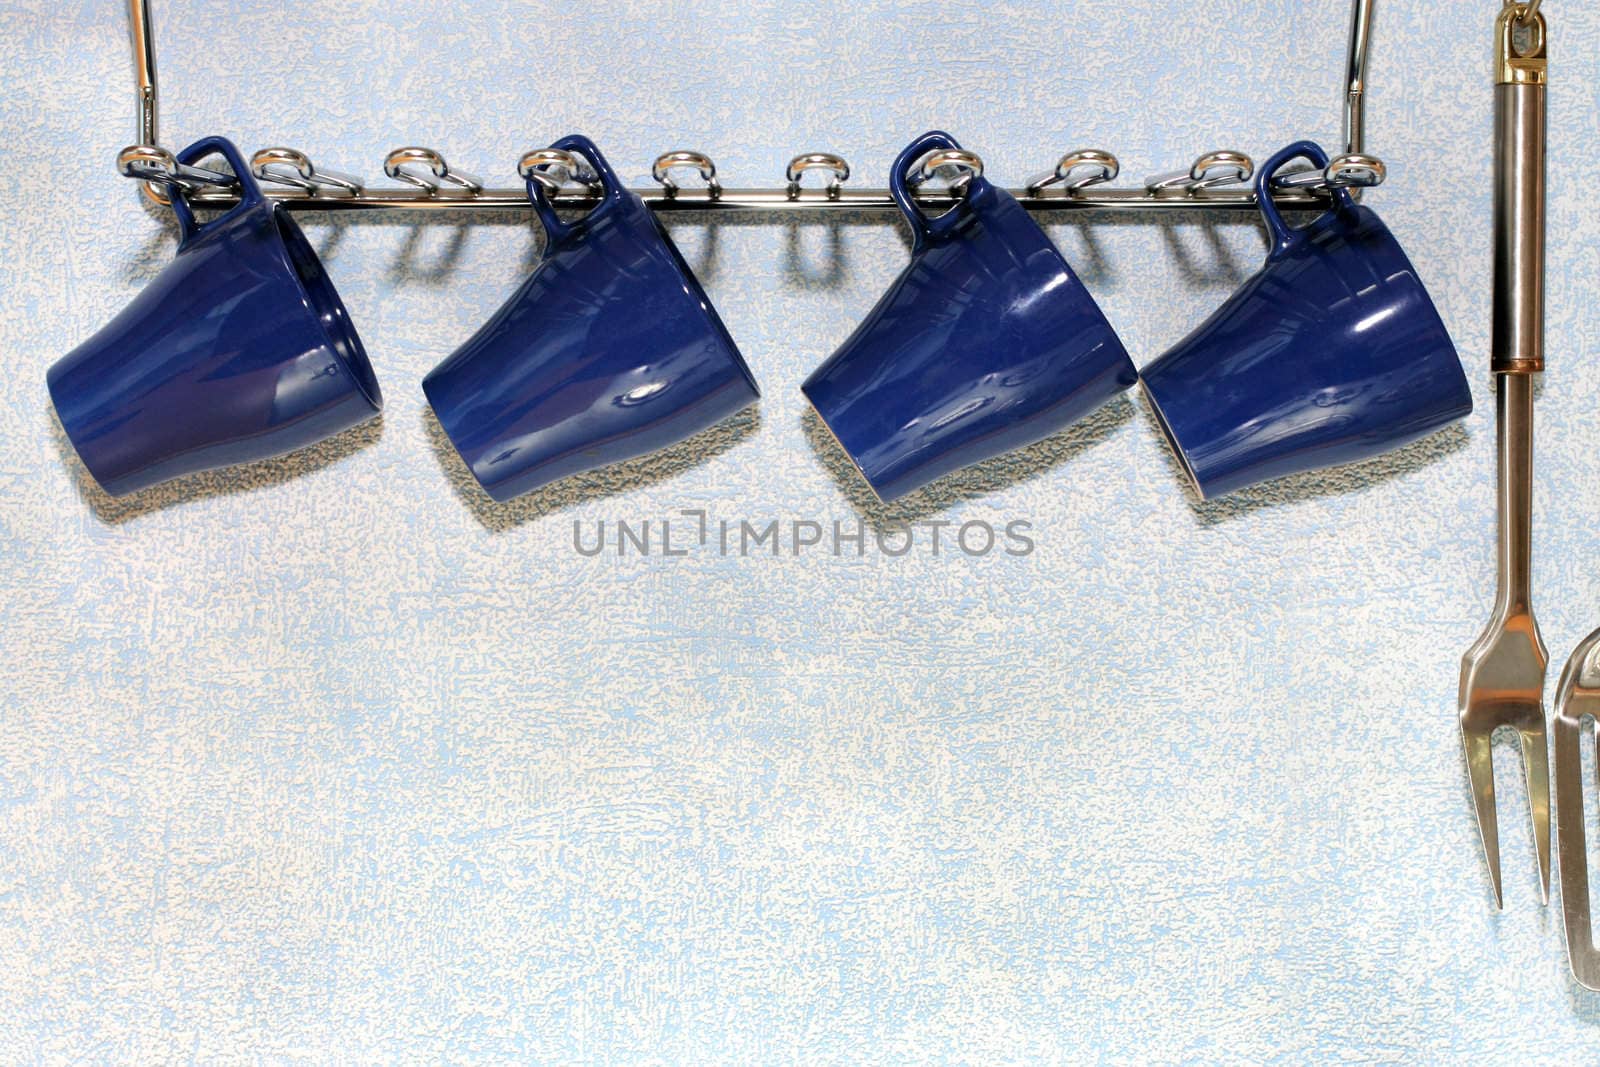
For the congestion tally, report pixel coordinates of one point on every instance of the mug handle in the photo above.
(250, 195)
(611, 191)
(1284, 235)
(923, 227)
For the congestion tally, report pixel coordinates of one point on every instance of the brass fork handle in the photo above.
(1519, 192)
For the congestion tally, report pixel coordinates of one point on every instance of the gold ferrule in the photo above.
(1513, 67)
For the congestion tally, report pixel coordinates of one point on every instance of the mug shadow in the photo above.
(969, 483)
(226, 481)
(1310, 485)
(586, 486)
(155, 254)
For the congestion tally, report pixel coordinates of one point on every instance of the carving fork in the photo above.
(1502, 674)
(1577, 698)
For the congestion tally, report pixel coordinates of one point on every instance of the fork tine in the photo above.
(1536, 766)
(1480, 773)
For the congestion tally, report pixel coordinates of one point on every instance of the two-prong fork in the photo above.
(1502, 674)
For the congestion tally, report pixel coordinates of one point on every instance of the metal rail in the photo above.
(1216, 180)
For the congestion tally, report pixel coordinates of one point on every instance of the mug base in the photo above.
(1172, 440)
(833, 435)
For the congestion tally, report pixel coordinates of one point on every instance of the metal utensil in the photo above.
(1502, 674)
(1577, 698)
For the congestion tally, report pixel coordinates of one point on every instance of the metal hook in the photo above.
(667, 162)
(1350, 171)
(834, 165)
(957, 165)
(1103, 167)
(1530, 9)
(291, 167)
(402, 164)
(152, 163)
(554, 168)
(1222, 167)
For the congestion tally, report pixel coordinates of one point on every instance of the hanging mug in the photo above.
(985, 343)
(240, 349)
(608, 351)
(1333, 352)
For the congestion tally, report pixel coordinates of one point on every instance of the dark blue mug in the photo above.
(1331, 353)
(609, 350)
(985, 343)
(240, 349)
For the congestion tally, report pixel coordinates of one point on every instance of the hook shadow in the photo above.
(980, 479)
(799, 274)
(1223, 268)
(1093, 267)
(439, 271)
(1310, 485)
(586, 486)
(228, 481)
(709, 251)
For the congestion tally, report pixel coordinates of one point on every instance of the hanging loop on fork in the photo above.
(291, 167)
(837, 168)
(1529, 10)
(1351, 171)
(1222, 167)
(427, 170)
(555, 168)
(1521, 55)
(1099, 166)
(668, 162)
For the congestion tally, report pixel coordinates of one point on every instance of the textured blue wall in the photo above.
(333, 759)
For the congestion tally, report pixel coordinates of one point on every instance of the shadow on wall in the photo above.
(1311, 485)
(586, 486)
(972, 482)
(114, 510)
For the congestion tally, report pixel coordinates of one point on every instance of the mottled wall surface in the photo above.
(333, 759)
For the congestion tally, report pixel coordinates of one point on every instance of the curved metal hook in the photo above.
(1222, 167)
(1350, 171)
(958, 165)
(402, 165)
(152, 163)
(836, 166)
(667, 162)
(1530, 9)
(1102, 167)
(554, 168)
(291, 167)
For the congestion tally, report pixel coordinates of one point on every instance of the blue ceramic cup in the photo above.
(986, 342)
(240, 349)
(608, 351)
(1331, 353)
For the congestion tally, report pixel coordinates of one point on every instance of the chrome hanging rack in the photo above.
(425, 182)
